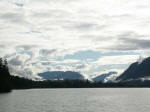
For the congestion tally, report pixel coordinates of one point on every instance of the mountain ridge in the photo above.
(61, 75)
(136, 70)
(102, 77)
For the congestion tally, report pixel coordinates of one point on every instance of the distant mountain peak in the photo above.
(105, 77)
(136, 70)
(61, 75)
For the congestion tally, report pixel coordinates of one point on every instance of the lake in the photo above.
(77, 100)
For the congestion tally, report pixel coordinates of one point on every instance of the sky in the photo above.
(88, 36)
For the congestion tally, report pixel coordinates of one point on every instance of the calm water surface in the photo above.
(76, 100)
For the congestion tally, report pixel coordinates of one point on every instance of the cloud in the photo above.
(25, 47)
(138, 43)
(120, 59)
(15, 62)
(131, 41)
(51, 29)
(47, 52)
(64, 26)
(18, 60)
(67, 61)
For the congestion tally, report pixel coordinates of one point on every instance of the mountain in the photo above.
(60, 75)
(136, 71)
(103, 77)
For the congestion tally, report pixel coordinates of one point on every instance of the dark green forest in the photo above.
(5, 84)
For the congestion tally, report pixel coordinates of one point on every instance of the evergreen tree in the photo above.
(5, 85)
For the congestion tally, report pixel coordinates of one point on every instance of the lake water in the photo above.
(77, 100)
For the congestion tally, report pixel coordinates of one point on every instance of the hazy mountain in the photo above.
(103, 77)
(136, 71)
(55, 75)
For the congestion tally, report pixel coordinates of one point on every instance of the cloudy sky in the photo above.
(89, 36)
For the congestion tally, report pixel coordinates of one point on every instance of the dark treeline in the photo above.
(5, 84)
(9, 82)
(22, 83)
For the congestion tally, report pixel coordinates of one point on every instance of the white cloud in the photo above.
(55, 28)
(62, 24)
(67, 61)
(119, 59)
